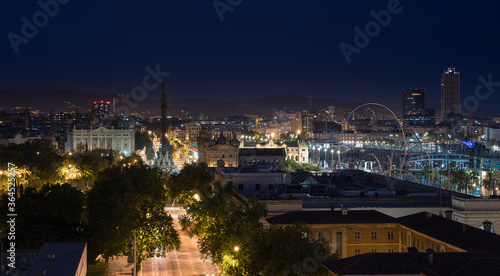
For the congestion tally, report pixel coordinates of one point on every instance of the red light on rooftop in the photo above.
(95, 102)
(107, 102)
(102, 101)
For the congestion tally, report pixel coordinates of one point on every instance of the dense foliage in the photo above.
(128, 199)
(231, 233)
(292, 165)
(105, 198)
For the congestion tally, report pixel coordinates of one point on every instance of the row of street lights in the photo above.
(318, 149)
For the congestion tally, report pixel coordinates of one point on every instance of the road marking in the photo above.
(177, 263)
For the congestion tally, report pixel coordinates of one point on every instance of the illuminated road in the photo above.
(186, 262)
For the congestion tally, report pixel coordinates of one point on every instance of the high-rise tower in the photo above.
(413, 101)
(414, 111)
(450, 93)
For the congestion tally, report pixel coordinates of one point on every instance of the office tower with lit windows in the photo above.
(414, 111)
(413, 101)
(102, 110)
(450, 93)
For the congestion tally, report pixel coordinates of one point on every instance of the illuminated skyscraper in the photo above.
(414, 111)
(99, 113)
(102, 110)
(450, 93)
(413, 101)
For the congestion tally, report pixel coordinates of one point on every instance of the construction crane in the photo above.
(257, 118)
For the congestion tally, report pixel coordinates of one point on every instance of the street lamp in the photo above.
(338, 153)
(473, 185)
(324, 163)
(332, 159)
(236, 248)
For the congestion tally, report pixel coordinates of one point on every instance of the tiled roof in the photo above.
(300, 176)
(443, 263)
(458, 234)
(466, 267)
(332, 217)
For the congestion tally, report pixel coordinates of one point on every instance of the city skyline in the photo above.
(237, 137)
(258, 49)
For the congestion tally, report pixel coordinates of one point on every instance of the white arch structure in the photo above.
(371, 154)
(401, 170)
(388, 109)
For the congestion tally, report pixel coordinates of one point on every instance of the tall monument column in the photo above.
(163, 120)
(163, 160)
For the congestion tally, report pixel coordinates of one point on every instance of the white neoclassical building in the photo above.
(122, 140)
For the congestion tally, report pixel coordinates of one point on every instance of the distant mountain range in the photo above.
(47, 99)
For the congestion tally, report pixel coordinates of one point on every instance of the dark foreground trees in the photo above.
(53, 214)
(128, 199)
(231, 233)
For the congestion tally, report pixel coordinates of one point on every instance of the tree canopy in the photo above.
(128, 199)
(55, 213)
(230, 232)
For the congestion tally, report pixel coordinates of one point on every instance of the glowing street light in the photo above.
(236, 248)
(473, 186)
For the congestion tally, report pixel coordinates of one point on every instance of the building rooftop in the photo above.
(266, 167)
(262, 152)
(458, 234)
(332, 217)
(59, 259)
(441, 263)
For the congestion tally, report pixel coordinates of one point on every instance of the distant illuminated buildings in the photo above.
(414, 111)
(413, 100)
(100, 111)
(122, 140)
(450, 93)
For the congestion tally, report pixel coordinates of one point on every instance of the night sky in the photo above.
(260, 48)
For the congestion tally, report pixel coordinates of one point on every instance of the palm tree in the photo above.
(460, 178)
(492, 176)
(428, 173)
